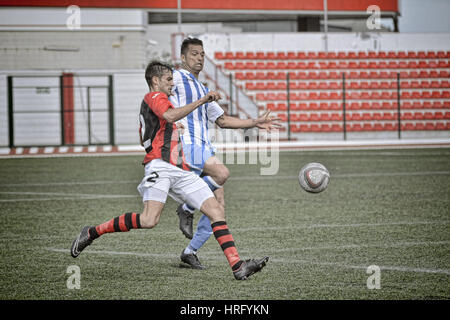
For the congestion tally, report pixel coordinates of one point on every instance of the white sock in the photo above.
(189, 250)
(187, 208)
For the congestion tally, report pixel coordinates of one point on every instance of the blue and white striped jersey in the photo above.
(188, 89)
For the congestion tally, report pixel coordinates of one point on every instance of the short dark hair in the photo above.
(189, 41)
(156, 68)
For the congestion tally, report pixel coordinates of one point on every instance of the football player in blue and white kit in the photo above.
(197, 147)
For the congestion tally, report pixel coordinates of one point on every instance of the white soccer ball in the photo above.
(314, 177)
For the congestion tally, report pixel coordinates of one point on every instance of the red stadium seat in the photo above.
(229, 55)
(271, 106)
(271, 55)
(311, 55)
(438, 115)
(304, 128)
(325, 127)
(239, 66)
(250, 55)
(260, 55)
(239, 55)
(281, 55)
(240, 76)
(418, 116)
(229, 65)
(219, 55)
(440, 126)
(390, 126)
(419, 126)
(336, 117)
(291, 55)
(315, 127)
(336, 127)
(377, 127)
(377, 116)
(407, 116)
(250, 65)
(301, 55)
(407, 126)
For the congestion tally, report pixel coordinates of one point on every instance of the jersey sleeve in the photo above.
(160, 104)
(214, 111)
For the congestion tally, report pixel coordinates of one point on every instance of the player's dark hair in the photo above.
(189, 41)
(156, 69)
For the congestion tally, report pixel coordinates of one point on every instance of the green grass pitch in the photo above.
(389, 208)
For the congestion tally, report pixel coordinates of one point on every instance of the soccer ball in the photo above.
(314, 177)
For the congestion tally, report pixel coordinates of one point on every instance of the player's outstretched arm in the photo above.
(175, 114)
(263, 122)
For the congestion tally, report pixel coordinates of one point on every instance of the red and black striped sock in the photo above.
(122, 223)
(226, 241)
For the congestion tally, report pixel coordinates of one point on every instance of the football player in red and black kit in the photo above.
(166, 173)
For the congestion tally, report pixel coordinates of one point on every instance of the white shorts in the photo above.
(162, 179)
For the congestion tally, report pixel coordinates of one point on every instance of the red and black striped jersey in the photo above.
(159, 137)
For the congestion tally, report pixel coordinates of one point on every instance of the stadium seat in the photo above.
(239, 66)
(314, 127)
(250, 55)
(229, 55)
(336, 127)
(353, 106)
(301, 55)
(260, 55)
(407, 116)
(438, 115)
(229, 65)
(377, 116)
(250, 65)
(291, 55)
(419, 126)
(407, 126)
(336, 117)
(271, 107)
(377, 127)
(440, 126)
(418, 116)
(390, 126)
(325, 127)
(219, 55)
(239, 55)
(354, 117)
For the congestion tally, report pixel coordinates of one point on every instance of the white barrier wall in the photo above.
(129, 90)
(312, 41)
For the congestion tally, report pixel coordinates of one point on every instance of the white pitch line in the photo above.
(276, 260)
(241, 178)
(351, 225)
(363, 267)
(64, 196)
(365, 246)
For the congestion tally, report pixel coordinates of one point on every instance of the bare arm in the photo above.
(175, 114)
(264, 122)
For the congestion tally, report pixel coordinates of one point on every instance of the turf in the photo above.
(388, 208)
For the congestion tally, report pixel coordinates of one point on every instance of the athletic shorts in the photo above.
(196, 156)
(162, 179)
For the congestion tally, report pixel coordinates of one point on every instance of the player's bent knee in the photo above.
(222, 175)
(213, 210)
(150, 216)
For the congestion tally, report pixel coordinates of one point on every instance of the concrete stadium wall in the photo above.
(315, 42)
